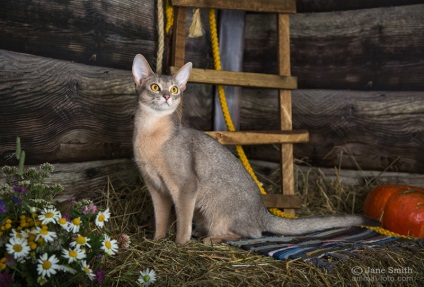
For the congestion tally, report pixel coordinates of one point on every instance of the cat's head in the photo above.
(159, 92)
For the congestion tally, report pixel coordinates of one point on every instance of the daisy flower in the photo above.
(73, 254)
(64, 223)
(147, 277)
(47, 266)
(18, 247)
(22, 234)
(101, 217)
(86, 268)
(49, 215)
(48, 236)
(109, 246)
(74, 225)
(80, 241)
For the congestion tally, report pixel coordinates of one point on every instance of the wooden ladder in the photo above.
(284, 82)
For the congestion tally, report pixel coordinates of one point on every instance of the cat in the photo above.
(202, 179)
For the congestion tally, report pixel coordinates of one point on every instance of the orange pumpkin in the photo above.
(400, 208)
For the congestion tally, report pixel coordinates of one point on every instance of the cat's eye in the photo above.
(155, 87)
(174, 90)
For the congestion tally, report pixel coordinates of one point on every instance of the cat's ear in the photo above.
(141, 69)
(182, 75)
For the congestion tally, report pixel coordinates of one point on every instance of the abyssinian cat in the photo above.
(200, 177)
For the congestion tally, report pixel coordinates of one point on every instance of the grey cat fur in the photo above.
(201, 178)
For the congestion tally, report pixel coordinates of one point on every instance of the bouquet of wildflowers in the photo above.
(42, 245)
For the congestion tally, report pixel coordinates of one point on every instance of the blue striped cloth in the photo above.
(339, 243)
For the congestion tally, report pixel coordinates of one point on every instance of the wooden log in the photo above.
(241, 79)
(307, 6)
(371, 49)
(259, 137)
(96, 33)
(373, 130)
(269, 6)
(67, 112)
(90, 179)
(352, 178)
(92, 33)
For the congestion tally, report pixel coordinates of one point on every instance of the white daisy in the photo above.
(48, 236)
(109, 246)
(101, 217)
(22, 234)
(65, 224)
(18, 247)
(73, 254)
(74, 225)
(47, 266)
(147, 277)
(80, 241)
(86, 268)
(49, 215)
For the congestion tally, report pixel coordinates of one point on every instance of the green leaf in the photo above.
(18, 148)
(21, 163)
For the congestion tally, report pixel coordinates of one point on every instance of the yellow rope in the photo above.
(169, 12)
(227, 117)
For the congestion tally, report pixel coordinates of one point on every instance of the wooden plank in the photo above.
(285, 104)
(358, 49)
(367, 130)
(240, 79)
(178, 45)
(259, 137)
(314, 6)
(267, 6)
(282, 201)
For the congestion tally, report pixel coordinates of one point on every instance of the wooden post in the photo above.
(178, 51)
(285, 103)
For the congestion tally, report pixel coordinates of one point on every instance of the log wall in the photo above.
(67, 90)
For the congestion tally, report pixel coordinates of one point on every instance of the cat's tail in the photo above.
(294, 226)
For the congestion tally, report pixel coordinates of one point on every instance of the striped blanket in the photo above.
(338, 243)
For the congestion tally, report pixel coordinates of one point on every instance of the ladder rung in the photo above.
(241, 79)
(259, 137)
(282, 201)
(269, 6)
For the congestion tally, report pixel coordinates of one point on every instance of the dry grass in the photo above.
(196, 264)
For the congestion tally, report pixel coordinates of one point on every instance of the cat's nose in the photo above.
(166, 97)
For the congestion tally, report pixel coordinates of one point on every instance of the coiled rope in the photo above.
(229, 122)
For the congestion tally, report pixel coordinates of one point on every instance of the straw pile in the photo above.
(196, 264)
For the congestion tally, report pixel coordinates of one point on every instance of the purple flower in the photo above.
(5, 279)
(16, 200)
(19, 189)
(100, 275)
(2, 206)
(89, 209)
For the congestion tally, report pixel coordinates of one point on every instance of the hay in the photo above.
(196, 264)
